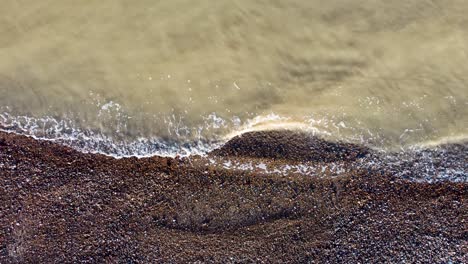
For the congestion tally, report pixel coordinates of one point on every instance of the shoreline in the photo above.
(60, 205)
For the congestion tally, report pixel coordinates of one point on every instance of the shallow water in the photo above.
(177, 77)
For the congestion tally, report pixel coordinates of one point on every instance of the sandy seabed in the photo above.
(58, 205)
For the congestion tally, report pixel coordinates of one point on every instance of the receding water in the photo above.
(165, 77)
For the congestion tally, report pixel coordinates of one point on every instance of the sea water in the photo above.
(179, 77)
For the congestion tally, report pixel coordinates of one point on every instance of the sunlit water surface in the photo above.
(180, 76)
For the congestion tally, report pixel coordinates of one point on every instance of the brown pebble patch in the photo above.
(58, 205)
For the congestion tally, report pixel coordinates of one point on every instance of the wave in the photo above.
(67, 132)
(92, 141)
(256, 145)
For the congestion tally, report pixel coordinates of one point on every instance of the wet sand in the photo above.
(59, 205)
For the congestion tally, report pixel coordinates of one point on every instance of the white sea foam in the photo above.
(427, 161)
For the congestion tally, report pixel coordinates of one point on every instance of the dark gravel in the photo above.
(290, 146)
(61, 206)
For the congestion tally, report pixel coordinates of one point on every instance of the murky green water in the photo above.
(149, 75)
